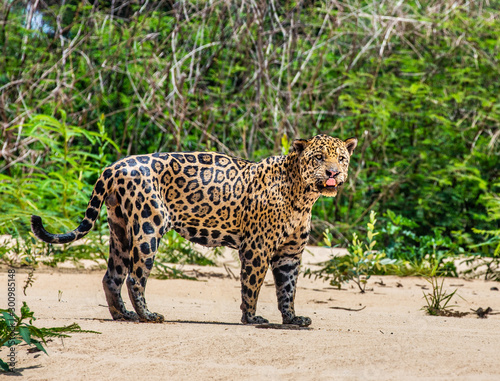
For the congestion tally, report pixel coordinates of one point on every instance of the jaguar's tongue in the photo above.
(331, 182)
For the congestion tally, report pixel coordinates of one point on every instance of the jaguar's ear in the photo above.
(299, 145)
(350, 144)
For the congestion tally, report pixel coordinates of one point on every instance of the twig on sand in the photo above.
(348, 309)
(230, 272)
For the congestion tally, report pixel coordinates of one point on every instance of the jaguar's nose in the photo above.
(332, 173)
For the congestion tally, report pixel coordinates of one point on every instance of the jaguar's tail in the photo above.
(88, 222)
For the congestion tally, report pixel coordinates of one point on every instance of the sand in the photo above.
(202, 338)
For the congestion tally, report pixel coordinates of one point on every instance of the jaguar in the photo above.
(262, 209)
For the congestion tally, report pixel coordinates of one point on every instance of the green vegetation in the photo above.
(437, 301)
(360, 264)
(85, 83)
(15, 330)
(425, 255)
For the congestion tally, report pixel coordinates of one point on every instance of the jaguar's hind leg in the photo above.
(118, 262)
(147, 233)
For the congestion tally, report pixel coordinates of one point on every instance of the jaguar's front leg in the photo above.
(254, 265)
(285, 271)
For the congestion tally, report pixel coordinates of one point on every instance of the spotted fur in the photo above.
(262, 209)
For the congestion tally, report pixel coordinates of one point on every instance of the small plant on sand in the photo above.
(487, 266)
(359, 265)
(438, 299)
(14, 330)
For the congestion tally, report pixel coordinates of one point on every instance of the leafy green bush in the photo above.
(486, 265)
(58, 183)
(423, 254)
(359, 265)
(404, 253)
(416, 82)
(492, 235)
(14, 330)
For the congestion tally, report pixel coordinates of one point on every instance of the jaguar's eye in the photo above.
(341, 159)
(319, 157)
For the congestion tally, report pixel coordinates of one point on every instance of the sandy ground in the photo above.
(202, 339)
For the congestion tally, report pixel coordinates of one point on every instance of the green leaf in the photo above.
(8, 317)
(4, 365)
(39, 346)
(25, 334)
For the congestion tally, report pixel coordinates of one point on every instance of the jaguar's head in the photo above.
(324, 162)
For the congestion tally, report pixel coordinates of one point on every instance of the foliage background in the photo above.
(83, 83)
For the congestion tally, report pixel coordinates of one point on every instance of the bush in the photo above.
(359, 265)
(415, 82)
(14, 330)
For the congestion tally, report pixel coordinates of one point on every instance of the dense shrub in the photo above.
(415, 81)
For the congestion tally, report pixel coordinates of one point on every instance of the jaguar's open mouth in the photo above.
(331, 182)
(329, 185)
